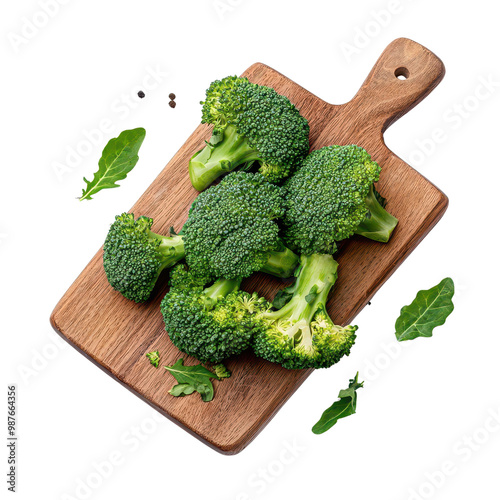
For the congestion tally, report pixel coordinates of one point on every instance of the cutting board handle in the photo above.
(404, 74)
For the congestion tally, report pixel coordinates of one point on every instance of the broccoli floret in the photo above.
(211, 324)
(134, 256)
(331, 197)
(251, 123)
(301, 334)
(182, 277)
(232, 229)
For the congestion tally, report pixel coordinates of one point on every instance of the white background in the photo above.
(425, 403)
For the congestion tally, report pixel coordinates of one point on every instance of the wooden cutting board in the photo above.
(115, 333)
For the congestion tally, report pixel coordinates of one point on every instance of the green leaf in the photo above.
(118, 158)
(154, 358)
(311, 296)
(342, 408)
(429, 310)
(206, 391)
(181, 390)
(282, 298)
(354, 385)
(195, 377)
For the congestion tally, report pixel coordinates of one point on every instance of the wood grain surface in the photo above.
(116, 333)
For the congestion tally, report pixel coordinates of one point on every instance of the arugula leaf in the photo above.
(118, 158)
(182, 390)
(344, 407)
(195, 377)
(429, 309)
(154, 358)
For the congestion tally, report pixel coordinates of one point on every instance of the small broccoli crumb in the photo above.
(221, 371)
(154, 358)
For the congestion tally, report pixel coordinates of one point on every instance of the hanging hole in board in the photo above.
(402, 73)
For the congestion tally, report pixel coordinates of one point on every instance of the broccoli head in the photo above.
(331, 197)
(210, 324)
(134, 256)
(232, 229)
(251, 123)
(300, 334)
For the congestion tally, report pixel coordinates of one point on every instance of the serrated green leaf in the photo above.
(196, 377)
(119, 157)
(429, 309)
(342, 408)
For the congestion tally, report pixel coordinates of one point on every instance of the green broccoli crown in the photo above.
(212, 324)
(134, 256)
(223, 103)
(251, 123)
(182, 278)
(326, 198)
(232, 226)
(301, 334)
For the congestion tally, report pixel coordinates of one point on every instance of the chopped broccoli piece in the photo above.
(331, 197)
(232, 229)
(301, 334)
(134, 256)
(211, 324)
(154, 358)
(221, 371)
(251, 123)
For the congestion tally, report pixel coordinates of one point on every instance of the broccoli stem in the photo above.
(317, 275)
(380, 224)
(220, 289)
(281, 263)
(221, 155)
(171, 249)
